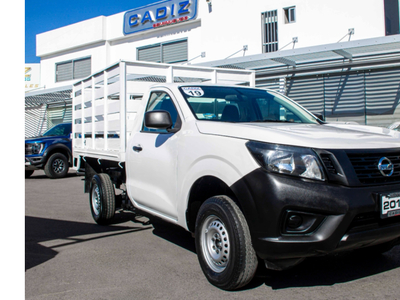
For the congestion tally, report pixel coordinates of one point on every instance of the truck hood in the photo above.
(325, 136)
(43, 139)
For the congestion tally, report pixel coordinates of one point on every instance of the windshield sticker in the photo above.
(193, 91)
(209, 116)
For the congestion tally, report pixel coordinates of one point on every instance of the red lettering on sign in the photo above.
(173, 21)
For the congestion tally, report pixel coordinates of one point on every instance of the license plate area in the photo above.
(390, 205)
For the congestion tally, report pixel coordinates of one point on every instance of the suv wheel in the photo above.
(56, 166)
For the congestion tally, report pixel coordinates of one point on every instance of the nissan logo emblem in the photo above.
(385, 166)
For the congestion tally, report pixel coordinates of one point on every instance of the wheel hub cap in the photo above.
(58, 165)
(96, 205)
(215, 244)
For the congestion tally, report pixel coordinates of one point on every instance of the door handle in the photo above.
(137, 148)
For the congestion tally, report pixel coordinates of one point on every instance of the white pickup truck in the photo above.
(253, 175)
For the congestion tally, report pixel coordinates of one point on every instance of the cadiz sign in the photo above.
(159, 14)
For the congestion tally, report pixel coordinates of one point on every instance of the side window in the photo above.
(272, 110)
(162, 101)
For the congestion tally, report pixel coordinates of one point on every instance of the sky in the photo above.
(46, 15)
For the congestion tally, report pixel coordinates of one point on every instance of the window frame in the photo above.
(161, 50)
(288, 16)
(269, 31)
(177, 123)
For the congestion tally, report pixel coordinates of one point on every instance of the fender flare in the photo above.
(53, 148)
(227, 173)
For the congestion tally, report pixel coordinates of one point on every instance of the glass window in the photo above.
(162, 101)
(231, 104)
(59, 130)
(290, 14)
(270, 31)
(392, 23)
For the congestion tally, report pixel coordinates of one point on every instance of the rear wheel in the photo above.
(102, 199)
(56, 166)
(223, 244)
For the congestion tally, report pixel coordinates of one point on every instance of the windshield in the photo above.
(59, 130)
(235, 104)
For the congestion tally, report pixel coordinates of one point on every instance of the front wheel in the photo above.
(223, 244)
(102, 199)
(56, 166)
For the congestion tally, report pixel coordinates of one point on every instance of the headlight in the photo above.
(35, 148)
(295, 161)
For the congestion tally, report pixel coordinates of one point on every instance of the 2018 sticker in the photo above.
(193, 91)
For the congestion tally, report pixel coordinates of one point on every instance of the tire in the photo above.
(28, 173)
(223, 244)
(102, 199)
(56, 166)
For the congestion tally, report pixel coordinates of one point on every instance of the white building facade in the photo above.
(224, 31)
(215, 28)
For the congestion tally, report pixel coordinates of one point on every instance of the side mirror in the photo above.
(158, 119)
(319, 116)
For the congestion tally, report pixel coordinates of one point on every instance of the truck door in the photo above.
(152, 160)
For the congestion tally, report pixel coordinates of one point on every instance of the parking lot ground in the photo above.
(68, 256)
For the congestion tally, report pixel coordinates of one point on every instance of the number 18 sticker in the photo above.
(193, 91)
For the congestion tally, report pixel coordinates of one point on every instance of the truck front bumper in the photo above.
(292, 218)
(34, 162)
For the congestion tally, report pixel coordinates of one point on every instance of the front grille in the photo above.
(328, 163)
(365, 165)
(372, 220)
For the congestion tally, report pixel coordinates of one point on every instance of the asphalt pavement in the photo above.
(69, 256)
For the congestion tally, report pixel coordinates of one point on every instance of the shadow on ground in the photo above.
(39, 230)
(328, 270)
(39, 174)
(174, 234)
(318, 271)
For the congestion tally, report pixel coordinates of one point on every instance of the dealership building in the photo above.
(337, 58)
